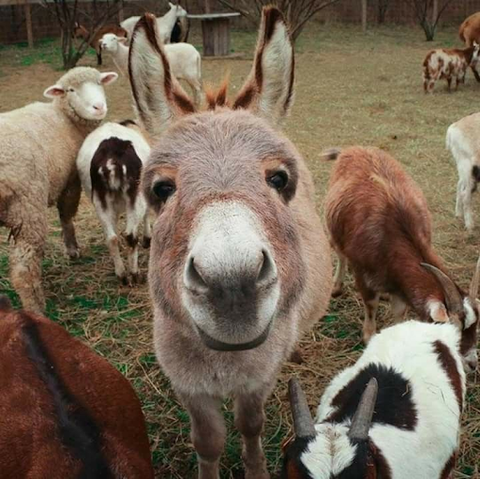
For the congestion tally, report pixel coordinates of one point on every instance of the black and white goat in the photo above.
(109, 164)
(394, 414)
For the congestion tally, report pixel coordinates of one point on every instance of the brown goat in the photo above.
(81, 32)
(379, 222)
(240, 265)
(65, 412)
(469, 33)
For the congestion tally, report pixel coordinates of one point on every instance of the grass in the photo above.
(351, 89)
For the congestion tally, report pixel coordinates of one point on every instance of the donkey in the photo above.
(240, 265)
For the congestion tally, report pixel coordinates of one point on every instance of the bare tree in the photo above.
(297, 12)
(428, 13)
(382, 7)
(68, 13)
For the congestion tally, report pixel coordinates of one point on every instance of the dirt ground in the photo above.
(351, 89)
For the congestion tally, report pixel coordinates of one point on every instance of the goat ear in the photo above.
(108, 77)
(268, 90)
(54, 91)
(158, 96)
(438, 312)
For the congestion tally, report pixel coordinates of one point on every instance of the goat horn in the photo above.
(453, 297)
(473, 291)
(362, 419)
(302, 419)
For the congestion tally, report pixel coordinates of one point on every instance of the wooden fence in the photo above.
(27, 20)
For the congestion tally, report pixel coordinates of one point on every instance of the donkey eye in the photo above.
(278, 180)
(163, 189)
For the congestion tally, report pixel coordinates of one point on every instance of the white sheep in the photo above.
(462, 142)
(394, 413)
(109, 164)
(184, 59)
(165, 24)
(38, 147)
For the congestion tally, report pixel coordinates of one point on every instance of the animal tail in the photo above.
(330, 154)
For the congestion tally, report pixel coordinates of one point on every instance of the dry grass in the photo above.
(351, 89)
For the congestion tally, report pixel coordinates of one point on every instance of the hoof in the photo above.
(135, 278)
(337, 292)
(146, 242)
(73, 253)
(296, 357)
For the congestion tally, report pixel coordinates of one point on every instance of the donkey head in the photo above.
(225, 250)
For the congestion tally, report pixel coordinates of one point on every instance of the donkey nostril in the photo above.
(193, 278)
(267, 273)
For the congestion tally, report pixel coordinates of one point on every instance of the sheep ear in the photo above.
(122, 40)
(158, 96)
(268, 90)
(54, 91)
(108, 77)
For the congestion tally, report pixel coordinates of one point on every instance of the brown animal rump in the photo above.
(66, 412)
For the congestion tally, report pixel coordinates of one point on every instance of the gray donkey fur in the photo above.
(240, 266)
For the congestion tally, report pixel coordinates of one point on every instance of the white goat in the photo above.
(185, 61)
(38, 147)
(462, 141)
(109, 164)
(165, 24)
(395, 413)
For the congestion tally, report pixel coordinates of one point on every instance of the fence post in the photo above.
(121, 16)
(364, 15)
(28, 21)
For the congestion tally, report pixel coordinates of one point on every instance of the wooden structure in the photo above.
(216, 33)
(27, 8)
(27, 5)
(364, 15)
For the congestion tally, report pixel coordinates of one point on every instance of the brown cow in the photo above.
(65, 412)
(240, 265)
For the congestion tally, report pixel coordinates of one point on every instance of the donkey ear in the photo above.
(158, 96)
(268, 90)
